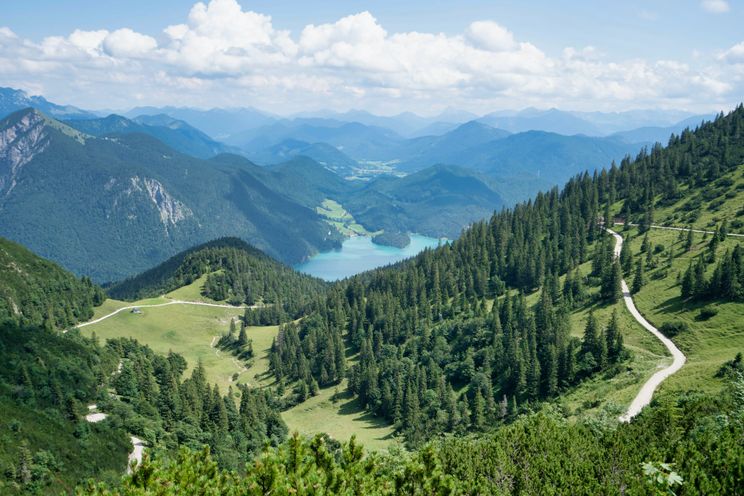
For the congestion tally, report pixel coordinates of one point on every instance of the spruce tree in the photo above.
(242, 337)
(638, 278)
(626, 257)
(690, 239)
(611, 289)
(590, 343)
(614, 338)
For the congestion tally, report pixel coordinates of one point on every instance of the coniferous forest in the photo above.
(457, 316)
(461, 349)
(236, 272)
(374, 248)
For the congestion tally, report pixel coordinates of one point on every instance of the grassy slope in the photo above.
(192, 292)
(189, 330)
(614, 393)
(611, 394)
(340, 418)
(722, 199)
(335, 214)
(708, 343)
(185, 329)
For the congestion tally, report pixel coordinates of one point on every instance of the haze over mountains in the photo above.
(177, 177)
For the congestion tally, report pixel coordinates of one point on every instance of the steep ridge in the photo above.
(178, 135)
(38, 292)
(101, 193)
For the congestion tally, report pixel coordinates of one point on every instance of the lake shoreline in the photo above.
(359, 254)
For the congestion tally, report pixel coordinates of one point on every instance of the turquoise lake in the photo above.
(358, 254)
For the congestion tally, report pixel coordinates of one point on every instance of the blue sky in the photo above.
(659, 29)
(683, 54)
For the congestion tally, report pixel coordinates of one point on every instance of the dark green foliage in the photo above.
(707, 312)
(726, 283)
(396, 239)
(626, 258)
(312, 351)
(237, 272)
(423, 328)
(611, 283)
(638, 278)
(696, 437)
(34, 291)
(731, 368)
(700, 435)
(671, 329)
(171, 411)
(237, 342)
(46, 381)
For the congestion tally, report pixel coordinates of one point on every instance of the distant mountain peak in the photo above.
(22, 138)
(12, 100)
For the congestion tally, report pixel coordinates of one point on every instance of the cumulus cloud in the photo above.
(716, 6)
(490, 36)
(221, 54)
(127, 43)
(734, 55)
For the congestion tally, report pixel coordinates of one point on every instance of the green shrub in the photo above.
(707, 313)
(671, 329)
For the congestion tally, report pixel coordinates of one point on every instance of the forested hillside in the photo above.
(176, 134)
(457, 316)
(237, 273)
(470, 337)
(688, 447)
(47, 380)
(156, 400)
(35, 291)
(133, 187)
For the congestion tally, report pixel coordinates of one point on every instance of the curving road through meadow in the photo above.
(173, 302)
(644, 396)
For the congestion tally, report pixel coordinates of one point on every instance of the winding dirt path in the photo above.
(138, 445)
(685, 229)
(173, 302)
(644, 396)
(135, 457)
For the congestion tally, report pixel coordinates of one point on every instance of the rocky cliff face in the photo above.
(171, 210)
(19, 144)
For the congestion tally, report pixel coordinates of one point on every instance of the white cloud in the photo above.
(715, 6)
(90, 41)
(126, 43)
(490, 36)
(223, 55)
(734, 55)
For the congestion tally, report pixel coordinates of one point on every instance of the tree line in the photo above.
(236, 272)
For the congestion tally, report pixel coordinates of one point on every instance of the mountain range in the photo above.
(175, 133)
(157, 178)
(102, 192)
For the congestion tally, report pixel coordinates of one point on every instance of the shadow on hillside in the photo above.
(352, 406)
(677, 304)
